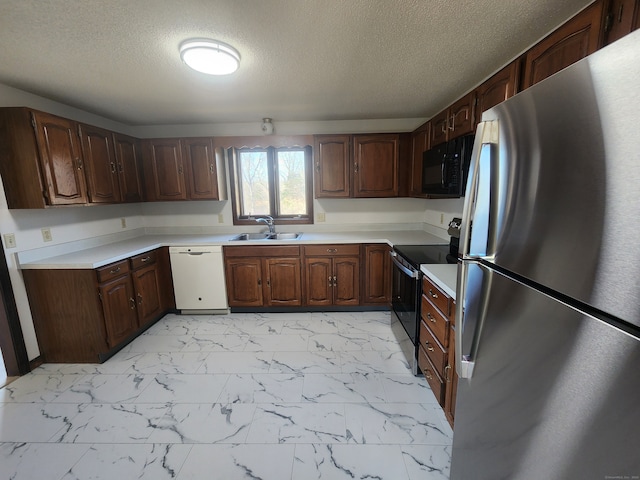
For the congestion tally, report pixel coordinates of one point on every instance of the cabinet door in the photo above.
(377, 278)
(375, 165)
(461, 116)
(100, 164)
(621, 19)
(439, 129)
(319, 281)
(119, 308)
(61, 159)
(146, 285)
(497, 89)
(244, 282)
(332, 166)
(284, 282)
(346, 285)
(164, 170)
(128, 160)
(419, 145)
(201, 166)
(571, 42)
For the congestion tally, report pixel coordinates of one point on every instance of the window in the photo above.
(272, 181)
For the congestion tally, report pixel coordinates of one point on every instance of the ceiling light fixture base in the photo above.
(267, 126)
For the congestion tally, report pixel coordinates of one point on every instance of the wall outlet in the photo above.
(320, 217)
(442, 219)
(123, 222)
(46, 234)
(220, 218)
(10, 240)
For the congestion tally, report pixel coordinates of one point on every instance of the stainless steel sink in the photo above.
(285, 236)
(250, 236)
(266, 236)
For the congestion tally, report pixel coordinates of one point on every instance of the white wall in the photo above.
(83, 223)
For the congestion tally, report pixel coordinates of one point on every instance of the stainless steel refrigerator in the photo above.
(548, 336)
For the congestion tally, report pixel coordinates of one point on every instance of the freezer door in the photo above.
(554, 392)
(555, 193)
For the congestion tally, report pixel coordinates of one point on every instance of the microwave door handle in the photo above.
(443, 170)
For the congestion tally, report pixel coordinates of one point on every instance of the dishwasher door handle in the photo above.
(192, 253)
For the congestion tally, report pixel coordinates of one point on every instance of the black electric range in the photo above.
(407, 291)
(417, 255)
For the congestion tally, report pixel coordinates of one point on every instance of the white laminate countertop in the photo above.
(99, 256)
(444, 276)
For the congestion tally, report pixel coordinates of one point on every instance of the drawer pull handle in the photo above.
(115, 270)
(447, 369)
(433, 295)
(428, 375)
(431, 318)
(133, 303)
(332, 250)
(429, 347)
(145, 259)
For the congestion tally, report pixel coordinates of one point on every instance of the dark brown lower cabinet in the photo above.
(376, 274)
(263, 276)
(81, 316)
(332, 275)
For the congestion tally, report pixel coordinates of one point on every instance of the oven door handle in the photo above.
(411, 273)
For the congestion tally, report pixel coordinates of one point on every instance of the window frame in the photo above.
(236, 188)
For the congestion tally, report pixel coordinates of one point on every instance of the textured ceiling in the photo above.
(302, 60)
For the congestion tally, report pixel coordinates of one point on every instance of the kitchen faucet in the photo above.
(268, 219)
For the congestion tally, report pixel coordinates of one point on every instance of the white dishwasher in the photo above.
(198, 279)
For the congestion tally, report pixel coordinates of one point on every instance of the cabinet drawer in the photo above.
(331, 250)
(436, 296)
(432, 376)
(113, 270)
(438, 323)
(436, 352)
(143, 259)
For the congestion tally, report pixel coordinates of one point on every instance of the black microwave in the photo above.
(446, 166)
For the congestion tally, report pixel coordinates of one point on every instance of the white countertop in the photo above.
(444, 276)
(112, 252)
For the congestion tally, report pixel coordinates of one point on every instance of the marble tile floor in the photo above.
(241, 396)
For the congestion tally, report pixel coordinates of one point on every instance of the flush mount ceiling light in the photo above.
(210, 56)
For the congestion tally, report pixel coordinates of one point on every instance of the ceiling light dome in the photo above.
(210, 56)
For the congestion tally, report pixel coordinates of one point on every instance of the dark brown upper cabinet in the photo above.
(573, 41)
(497, 89)
(419, 145)
(183, 169)
(332, 166)
(364, 166)
(455, 121)
(621, 17)
(129, 164)
(100, 164)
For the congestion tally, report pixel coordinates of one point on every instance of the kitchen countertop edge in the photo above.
(99, 256)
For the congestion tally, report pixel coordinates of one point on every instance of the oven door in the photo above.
(405, 308)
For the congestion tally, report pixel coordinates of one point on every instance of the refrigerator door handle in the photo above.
(474, 234)
(472, 285)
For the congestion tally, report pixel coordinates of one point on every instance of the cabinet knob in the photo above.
(335, 281)
(318, 167)
(113, 167)
(330, 284)
(139, 299)
(132, 304)
(433, 295)
(120, 168)
(355, 167)
(259, 281)
(212, 169)
(79, 163)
